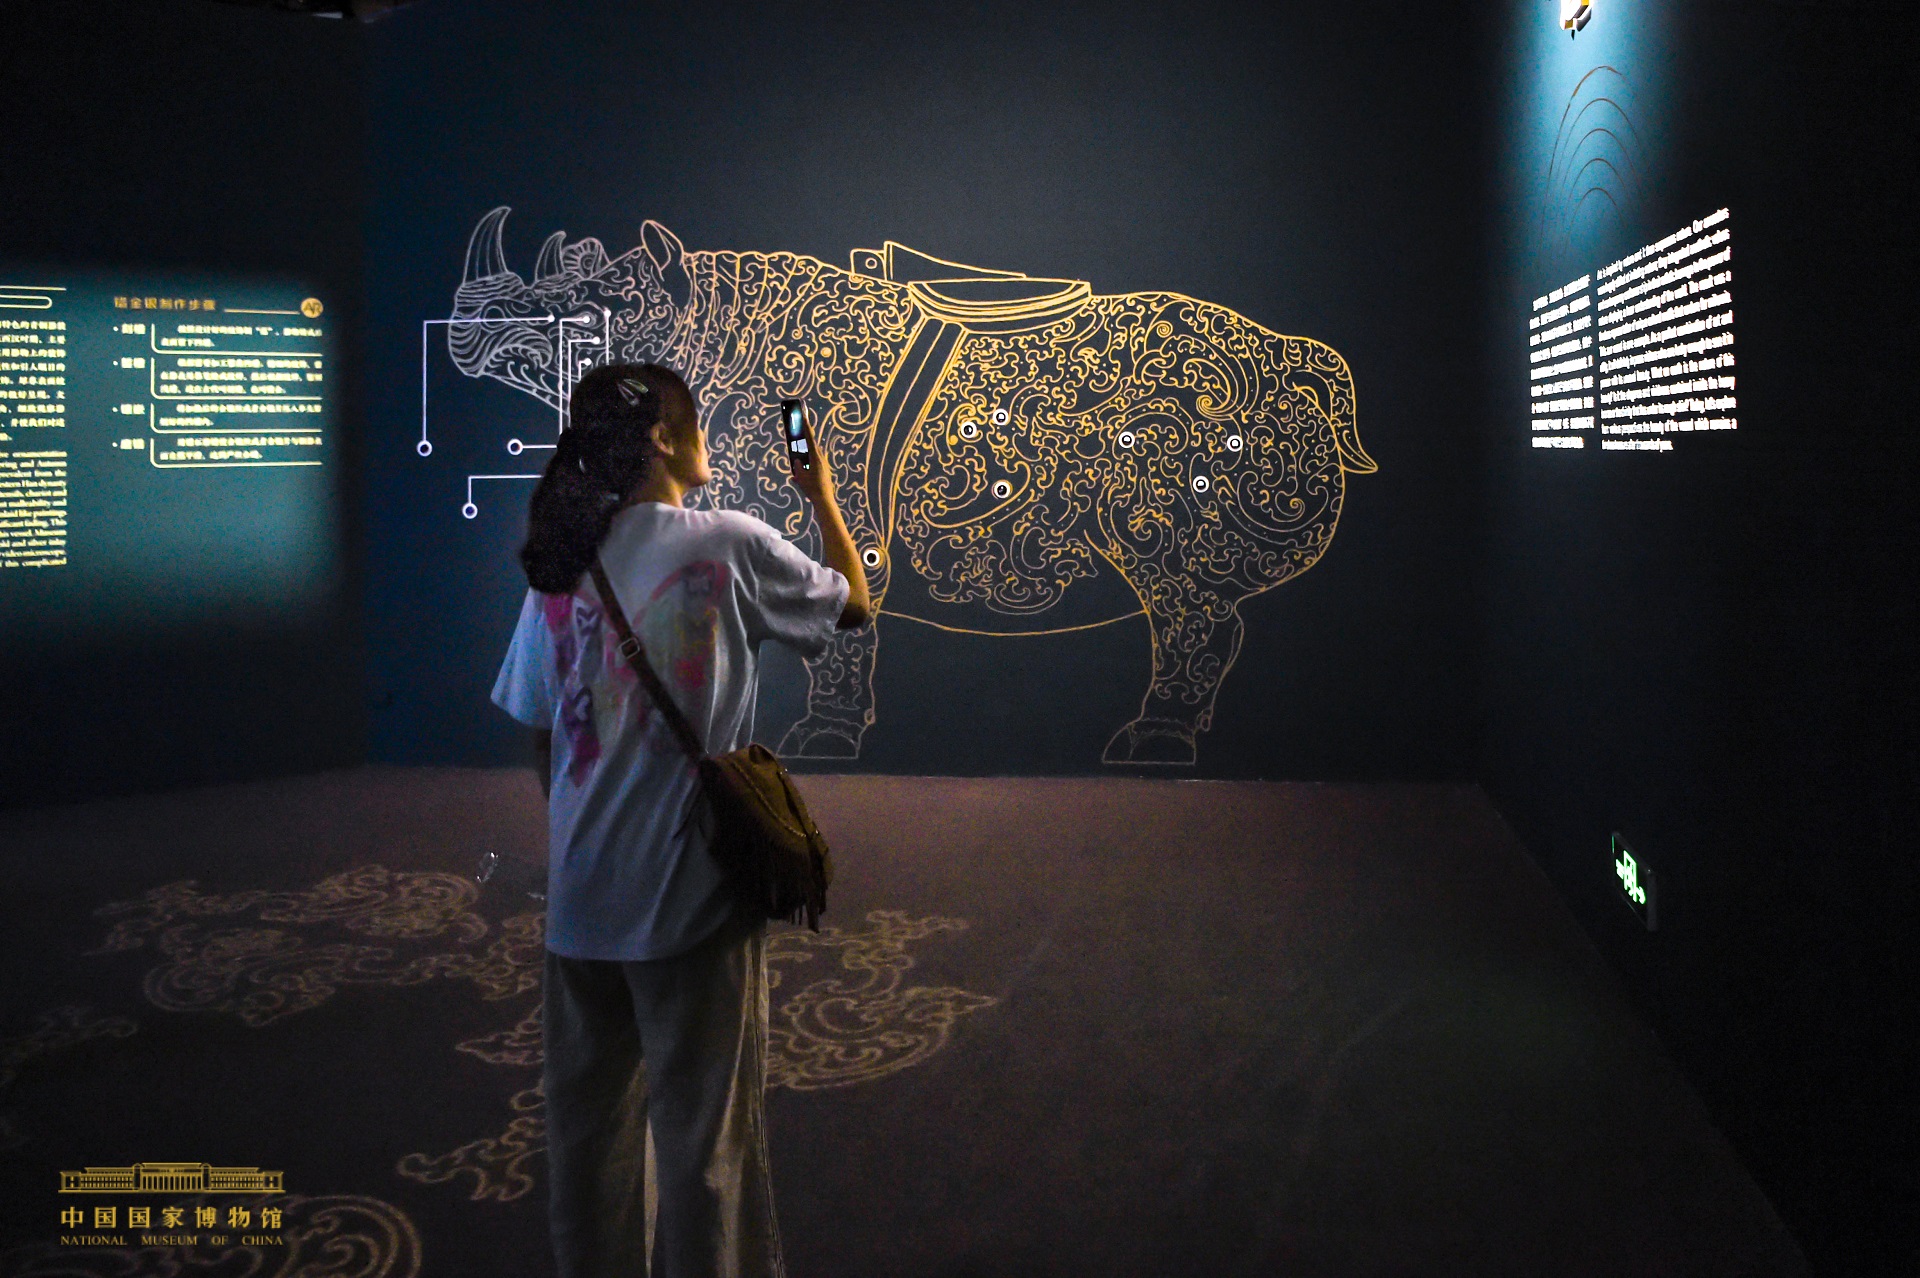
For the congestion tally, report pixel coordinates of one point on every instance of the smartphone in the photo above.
(793, 424)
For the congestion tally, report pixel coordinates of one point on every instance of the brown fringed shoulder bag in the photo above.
(773, 855)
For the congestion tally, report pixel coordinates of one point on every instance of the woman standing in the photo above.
(656, 993)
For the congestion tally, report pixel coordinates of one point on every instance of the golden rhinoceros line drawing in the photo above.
(1011, 436)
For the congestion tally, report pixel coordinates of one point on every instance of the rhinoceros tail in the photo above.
(1323, 376)
(1346, 438)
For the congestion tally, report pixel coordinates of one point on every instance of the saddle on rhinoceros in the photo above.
(954, 299)
(976, 298)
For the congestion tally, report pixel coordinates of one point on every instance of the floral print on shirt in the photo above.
(679, 626)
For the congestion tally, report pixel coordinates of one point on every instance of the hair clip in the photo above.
(631, 389)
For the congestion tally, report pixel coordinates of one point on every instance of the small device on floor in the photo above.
(489, 862)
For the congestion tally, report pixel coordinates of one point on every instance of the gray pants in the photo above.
(655, 1086)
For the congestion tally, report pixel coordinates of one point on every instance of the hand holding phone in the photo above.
(793, 425)
(814, 478)
(811, 474)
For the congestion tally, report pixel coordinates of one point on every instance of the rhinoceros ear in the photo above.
(551, 264)
(663, 249)
(662, 245)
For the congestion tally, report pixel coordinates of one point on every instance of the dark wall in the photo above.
(176, 136)
(1312, 168)
(1712, 652)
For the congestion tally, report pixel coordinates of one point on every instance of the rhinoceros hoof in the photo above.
(1151, 741)
(820, 739)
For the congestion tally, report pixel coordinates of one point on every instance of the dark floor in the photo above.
(1104, 1027)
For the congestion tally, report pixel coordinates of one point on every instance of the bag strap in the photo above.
(637, 657)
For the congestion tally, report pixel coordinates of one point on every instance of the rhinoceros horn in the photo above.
(549, 264)
(486, 256)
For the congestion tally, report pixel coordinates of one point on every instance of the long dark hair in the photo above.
(602, 456)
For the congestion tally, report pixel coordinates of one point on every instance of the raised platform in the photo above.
(1103, 1027)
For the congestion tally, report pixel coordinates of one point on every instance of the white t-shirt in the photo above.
(702, 589)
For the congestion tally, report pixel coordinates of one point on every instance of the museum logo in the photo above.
(188, 1220)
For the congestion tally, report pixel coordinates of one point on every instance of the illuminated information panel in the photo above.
(160, 436)
(1639, 351)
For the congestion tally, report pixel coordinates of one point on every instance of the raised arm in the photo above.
(816, 485)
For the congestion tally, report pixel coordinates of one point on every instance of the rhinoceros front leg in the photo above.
(839, 699)
(1195, 640)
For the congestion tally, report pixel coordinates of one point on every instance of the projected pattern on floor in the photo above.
(861, 1024)
(1013, 436)
(263, 974)
(54, 1031)
(831, 1033)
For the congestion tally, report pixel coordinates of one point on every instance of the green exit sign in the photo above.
(1637, 883)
